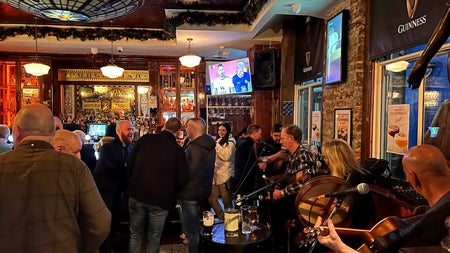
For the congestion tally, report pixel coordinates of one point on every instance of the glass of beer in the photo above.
(208, 222)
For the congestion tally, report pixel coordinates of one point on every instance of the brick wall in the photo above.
(349, 94)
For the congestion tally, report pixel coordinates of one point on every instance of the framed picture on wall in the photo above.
(343, 124)
(336, 49)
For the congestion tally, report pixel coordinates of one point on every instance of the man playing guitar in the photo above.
(428, 172)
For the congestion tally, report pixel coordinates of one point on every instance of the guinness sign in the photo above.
(309, 48)
(400, 24)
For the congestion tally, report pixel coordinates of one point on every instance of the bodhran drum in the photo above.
(308, 207)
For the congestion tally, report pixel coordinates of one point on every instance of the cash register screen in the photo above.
(98, 129)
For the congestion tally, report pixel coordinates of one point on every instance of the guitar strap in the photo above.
(383, 242)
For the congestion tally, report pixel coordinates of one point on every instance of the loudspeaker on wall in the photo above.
(266, 69)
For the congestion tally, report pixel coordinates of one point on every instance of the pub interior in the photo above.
(337, 69)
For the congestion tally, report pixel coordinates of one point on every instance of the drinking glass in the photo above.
(208, 222)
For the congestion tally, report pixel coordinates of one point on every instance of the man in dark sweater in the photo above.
(201, 156)
(159, 171)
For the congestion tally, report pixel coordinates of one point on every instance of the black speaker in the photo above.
(266, 69)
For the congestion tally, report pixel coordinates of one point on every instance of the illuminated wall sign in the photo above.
(87, 75)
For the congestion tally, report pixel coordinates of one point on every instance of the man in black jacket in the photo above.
(201, 155)
(111, 174)
(158, 172)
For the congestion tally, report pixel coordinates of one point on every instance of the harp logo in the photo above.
(411, 7)
(308, 61)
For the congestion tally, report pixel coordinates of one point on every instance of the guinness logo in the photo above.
(411, 6)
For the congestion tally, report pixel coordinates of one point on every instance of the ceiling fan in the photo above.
(222, 54)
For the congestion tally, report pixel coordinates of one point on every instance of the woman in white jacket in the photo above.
(224, 170)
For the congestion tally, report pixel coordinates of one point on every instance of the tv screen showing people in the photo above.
(230, 77)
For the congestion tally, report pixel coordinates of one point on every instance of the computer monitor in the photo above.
(97, 129)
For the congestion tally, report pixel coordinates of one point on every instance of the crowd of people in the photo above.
(55, 198)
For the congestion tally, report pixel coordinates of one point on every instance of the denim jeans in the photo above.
(140, 215)
(190, 222)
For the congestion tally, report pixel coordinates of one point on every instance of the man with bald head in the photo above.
(4, 133)
(201, 156)
(67, 142)
(111, 174)
(48, 200)
(428, 172)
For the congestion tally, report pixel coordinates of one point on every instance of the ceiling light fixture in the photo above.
(35, 68)
(77, 11)
(190, 60)
(397, 66)
(112, 70)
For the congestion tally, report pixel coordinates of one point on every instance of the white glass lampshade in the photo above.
(397, 66)
(36, 69)
(190, 60)
(112, 71)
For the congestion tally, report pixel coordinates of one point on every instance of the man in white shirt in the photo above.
(222, 84)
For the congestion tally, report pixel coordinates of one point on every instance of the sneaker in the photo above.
(183, 236)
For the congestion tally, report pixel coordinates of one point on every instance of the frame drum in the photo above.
(308, 207)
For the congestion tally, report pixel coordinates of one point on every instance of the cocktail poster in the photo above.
(316, 126)
(398, 129)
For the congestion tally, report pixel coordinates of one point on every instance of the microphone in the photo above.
(266, 145)
(362, 188)
(245, 197)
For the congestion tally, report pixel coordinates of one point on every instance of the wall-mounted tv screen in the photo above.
(230, 77)
(336, 50)
(97, 129)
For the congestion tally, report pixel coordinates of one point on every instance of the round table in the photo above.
(256, 242)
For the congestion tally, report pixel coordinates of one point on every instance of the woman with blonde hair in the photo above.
(342, 162)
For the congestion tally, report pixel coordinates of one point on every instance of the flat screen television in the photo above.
(336, 50)
(97, 129)
(230, 77)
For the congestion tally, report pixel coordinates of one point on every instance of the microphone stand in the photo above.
(330, 215)
(268, 186)
(241, 182)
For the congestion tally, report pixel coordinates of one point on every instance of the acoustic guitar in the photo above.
(373, 238)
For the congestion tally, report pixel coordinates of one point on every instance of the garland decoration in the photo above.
(247, 16)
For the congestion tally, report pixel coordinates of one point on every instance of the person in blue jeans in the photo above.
(159, 171)
(201, 154)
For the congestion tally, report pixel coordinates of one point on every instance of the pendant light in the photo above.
(112, 70)
(36, 68)
(190, 60)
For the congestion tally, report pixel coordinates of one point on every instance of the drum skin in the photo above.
(308, 207)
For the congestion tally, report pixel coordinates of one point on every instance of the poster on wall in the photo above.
(398, 129)
(316, 126)
(343, 124)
